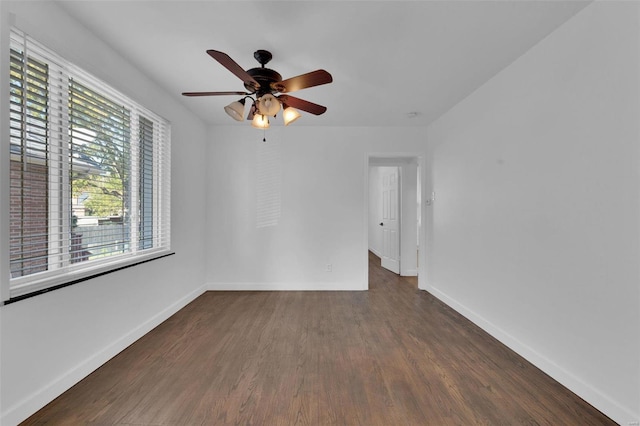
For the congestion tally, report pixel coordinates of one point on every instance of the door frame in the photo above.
(397, 159)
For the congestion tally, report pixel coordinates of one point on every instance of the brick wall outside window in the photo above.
(29, 216)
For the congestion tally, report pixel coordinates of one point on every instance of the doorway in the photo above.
(400, 252)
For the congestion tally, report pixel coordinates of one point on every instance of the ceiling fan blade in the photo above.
(232, 66)
(303, 81)
(214, 93)
(302, 104)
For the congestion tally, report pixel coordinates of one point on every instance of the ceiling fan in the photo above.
(263, 85)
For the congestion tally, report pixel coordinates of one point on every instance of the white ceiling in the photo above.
(387, 58)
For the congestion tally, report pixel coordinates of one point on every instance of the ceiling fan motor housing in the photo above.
(264, 76)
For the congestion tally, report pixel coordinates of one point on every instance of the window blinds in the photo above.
(90, 174)
(30, 157)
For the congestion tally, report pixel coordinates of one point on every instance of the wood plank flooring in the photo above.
(392, 355)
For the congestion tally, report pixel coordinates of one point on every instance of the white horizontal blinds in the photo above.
(162, 183)
(58, 154)
(29, 163)
(146, 186)
(90, 173)
(100, 172)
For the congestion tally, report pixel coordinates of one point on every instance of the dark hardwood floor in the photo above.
(392, 355)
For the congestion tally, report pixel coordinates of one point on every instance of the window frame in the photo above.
(60, 270)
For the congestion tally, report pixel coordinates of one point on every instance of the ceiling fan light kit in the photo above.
(235, 110)
(260, 121)
(262, 85)
(289, 115)
(268, 105)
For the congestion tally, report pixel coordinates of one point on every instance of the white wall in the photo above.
(323, 213)
(409, 232)
(536, 177)
(50, 341)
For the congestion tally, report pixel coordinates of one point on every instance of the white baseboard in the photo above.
(376, 252)
(295, 286)
(602, 402)
(28, 406)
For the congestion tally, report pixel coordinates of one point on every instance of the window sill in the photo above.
(87, 277)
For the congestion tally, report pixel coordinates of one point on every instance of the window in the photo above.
(89, 177)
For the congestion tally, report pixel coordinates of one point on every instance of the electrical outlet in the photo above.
(329, 267)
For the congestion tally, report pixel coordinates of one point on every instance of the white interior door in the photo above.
(390, 219)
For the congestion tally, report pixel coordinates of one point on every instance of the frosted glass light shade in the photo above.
(235, 110)
(260, 121)
(289, 115)
(268, 105)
